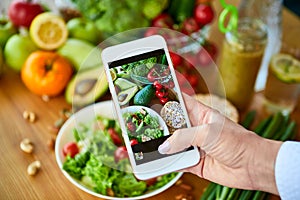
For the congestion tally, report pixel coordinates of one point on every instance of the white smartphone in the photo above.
(148, 103)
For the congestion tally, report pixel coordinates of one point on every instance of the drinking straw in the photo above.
(233, 19)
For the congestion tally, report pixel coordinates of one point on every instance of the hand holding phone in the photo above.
(148, 103)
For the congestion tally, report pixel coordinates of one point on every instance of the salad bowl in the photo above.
(65, 135)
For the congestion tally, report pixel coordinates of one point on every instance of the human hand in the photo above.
(230, 154)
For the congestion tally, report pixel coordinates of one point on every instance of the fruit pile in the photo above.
(49, 50)
(44, 48)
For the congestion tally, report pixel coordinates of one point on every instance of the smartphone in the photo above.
(148, 103)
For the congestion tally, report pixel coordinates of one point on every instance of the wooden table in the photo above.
(50, 183)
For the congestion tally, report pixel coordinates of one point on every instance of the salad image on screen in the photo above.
(149, 102)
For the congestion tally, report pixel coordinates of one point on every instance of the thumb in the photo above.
(184, 138)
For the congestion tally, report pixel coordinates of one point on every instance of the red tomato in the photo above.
(163, 20)
(120, 153)
(161, 93)
(133, 142)
(151, 181)
(163, 100)
(21, 12)
(157, 85)
(203, 14)
(114, 136)
(190, 26)
(176, 59)
(70, 149)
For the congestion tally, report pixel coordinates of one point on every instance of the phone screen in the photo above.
(149, 102)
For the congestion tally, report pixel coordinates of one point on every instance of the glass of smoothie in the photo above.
(241, 57)
(283, 84)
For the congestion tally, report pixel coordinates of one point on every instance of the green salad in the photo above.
(101, 161)
(142, 126)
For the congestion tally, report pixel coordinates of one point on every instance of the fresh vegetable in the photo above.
(126, 95)
(121, 153)
(7, 29)
(48, 31)
(181, 9)
(86, 87)
(21, 12)
(102, 166)
(190, 26)
(114, 136)
(141, 126)
(46, 73)
(163, 20)
(144, 96)
(203, 14)
(111, 18)
(161, 92)
(70, 149)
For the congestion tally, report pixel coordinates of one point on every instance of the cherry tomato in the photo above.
(70, 149)
(163, 20)
(157, 85)
(161, 93)
(190, 26)
(176, 59)
(120, 153)
(133, 142)
(163, 100)
(151, 181)
(114, 136)
(203, 14)
(131, 126)
(21, 12)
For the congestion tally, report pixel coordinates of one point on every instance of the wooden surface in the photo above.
(50, 183)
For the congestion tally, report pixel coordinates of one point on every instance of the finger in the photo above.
(184, 138)
(196, 110)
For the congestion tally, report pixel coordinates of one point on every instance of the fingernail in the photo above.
(164, 147)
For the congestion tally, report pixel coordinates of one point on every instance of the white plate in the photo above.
(65, 135)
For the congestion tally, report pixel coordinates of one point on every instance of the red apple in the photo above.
(22, 12)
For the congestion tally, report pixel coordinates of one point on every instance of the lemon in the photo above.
(48, 31)
(113, 74)
(286, 68)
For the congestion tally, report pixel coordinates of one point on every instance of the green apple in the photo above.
(7, 29)
(84, 29)
(17, 49)
(81, 54)
(1, 61)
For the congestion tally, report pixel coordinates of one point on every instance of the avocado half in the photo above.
(86, 87)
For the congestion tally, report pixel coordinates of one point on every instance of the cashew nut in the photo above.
(26, 145)
(30, 116)
(33, 168)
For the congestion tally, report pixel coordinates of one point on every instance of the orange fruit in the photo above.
(48, 31)
(46, 73)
